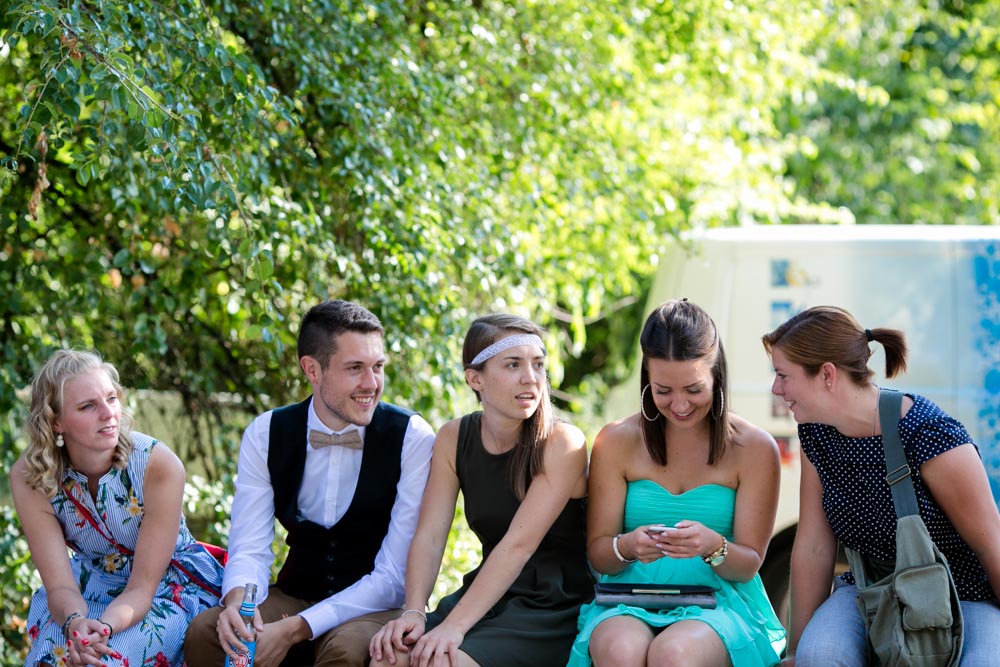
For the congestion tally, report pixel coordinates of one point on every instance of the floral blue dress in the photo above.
(102, 570)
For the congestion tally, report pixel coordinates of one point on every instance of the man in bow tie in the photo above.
(344, 474)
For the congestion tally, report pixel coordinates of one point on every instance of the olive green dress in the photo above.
(534, 623)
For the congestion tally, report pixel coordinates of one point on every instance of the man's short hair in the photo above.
(325, 321)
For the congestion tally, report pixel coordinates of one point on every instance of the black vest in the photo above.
(323, 561)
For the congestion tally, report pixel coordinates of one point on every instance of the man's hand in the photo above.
(275, 639)
(231, 627)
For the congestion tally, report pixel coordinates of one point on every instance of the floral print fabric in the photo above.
(101, 570)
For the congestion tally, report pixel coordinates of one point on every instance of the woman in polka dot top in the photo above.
(820, 359)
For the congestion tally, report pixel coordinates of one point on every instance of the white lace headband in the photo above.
(505, 343)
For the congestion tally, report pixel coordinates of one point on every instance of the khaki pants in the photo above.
(344, 646)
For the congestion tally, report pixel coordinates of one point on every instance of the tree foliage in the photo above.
(180, 181)
(184, 179)
(906, 124)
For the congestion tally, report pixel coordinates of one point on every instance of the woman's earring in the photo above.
(722, 405)
(59, 440)
(642, 406)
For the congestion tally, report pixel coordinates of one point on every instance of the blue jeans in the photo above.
(835, 635)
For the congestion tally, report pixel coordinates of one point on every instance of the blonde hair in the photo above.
(46, 463)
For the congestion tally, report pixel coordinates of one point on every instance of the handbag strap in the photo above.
(125, 551)
(904, 499)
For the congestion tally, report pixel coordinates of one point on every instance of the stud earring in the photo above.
(59, 440)
(642, 406)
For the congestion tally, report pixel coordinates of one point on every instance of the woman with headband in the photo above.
(523, 476)
(682, 492)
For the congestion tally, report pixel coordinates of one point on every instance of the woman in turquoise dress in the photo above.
(136, 576)
(682, 492)
(523, 476)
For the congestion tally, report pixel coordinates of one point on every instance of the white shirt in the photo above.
(328, 484)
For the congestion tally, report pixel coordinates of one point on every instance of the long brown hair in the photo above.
(47, 463)
(527, 458)
(824, 334)
(680, 330)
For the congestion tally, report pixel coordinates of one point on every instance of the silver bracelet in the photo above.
(618, 554)
(414, 611)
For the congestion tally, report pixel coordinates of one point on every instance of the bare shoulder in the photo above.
(446, 442)
(162, 460)
(18, 473)
(751, 440)
(164, 469)
(618, 442)
(18, 469)
(567, 438)
(448, 433)
(26, 499)
(619, 435)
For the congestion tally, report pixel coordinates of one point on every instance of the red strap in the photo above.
(85, 513)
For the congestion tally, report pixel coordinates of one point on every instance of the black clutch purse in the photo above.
(654, 596)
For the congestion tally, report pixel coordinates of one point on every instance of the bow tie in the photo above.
(351, 439)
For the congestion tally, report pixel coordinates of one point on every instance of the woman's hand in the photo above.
(687, 539)
(397, 636)
(437, 648)
(88, 643)
(642, 544)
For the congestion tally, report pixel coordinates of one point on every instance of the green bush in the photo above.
(18, 579)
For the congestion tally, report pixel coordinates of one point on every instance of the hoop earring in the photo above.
(642, 406)
(722, 405)
(59, 440)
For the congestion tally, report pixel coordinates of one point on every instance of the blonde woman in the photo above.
(136, 575)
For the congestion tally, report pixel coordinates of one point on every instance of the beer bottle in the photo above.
(245, 659)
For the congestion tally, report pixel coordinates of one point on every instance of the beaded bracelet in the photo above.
(414, 611)
(69, 619)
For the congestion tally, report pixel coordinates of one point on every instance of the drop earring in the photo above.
(60, 442)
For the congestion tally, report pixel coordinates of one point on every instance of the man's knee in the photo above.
(347, 644)
(201, 641)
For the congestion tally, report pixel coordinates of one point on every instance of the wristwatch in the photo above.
(715, 558)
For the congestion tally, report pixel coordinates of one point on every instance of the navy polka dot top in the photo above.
(857, 500)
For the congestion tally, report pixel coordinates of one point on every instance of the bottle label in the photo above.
(243, 659)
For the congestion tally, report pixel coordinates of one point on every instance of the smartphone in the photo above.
(658, 528)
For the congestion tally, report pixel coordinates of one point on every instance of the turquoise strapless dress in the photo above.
(743, 618)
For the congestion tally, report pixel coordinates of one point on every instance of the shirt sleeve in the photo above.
(251, 532)
(932, 435)
(383, 587)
